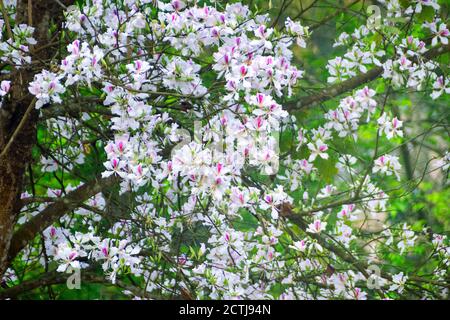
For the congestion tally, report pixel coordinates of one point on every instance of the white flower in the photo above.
(267, 107)
(46, 88)
(391, 128)
(344, 233)
(440, 86)
(4, 87)
(318, 148)
(299, 245)
(114, 166)
(138, 70)
(444, 162)
(438, 240)
(273, 200)
(399, 281)
(407, 239)
(68, 257)
(358, 294)
(357, 59)
(347, 212)
(296, 29)
(326, 191)
(364, 97)
(24, 33)
(48, 164)
(316, 227)
(388, 165)
(339, 69)
(342, 39)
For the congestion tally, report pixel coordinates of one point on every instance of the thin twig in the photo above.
(19, 127)
(6, 19)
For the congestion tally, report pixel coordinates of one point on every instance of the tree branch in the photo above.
(74, 109)
(345, 255)
(55, 277)
(47, 279)
(18, 128)
(352, 83)
(55, 211)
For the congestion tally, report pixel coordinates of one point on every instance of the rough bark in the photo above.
(16, 142)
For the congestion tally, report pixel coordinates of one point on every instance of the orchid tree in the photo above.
(202, 150)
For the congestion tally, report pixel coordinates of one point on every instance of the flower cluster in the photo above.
(46, 87)
(346, 118)
(388, 165)
(16, 49)
(185, 107)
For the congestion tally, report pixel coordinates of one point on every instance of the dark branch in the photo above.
(352, 83)
(55, 211)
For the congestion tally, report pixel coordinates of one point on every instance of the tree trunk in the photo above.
(19, 140)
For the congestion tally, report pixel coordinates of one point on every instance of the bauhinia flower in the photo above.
(298, 30)
(440, 86)
(399, 281)
(392, 128)
(318, 148)
(388, 165)
(4, 87)
(145, 82)
(316, 227)
(299, 245)
(440, 35)
(47, 88)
